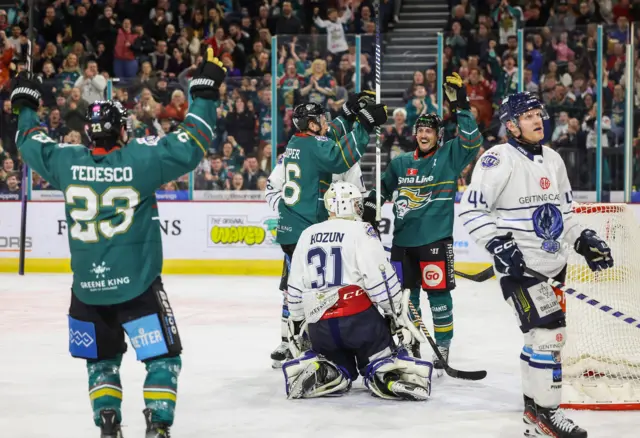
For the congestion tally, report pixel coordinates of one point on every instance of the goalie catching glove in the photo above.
(595, 250)
(456, 92)
(26, 92)
(208, 77)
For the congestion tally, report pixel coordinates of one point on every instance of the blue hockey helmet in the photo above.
(514, 105)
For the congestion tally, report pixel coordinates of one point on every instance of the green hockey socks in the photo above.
(442, 313)
(161, 388)
(105, 390)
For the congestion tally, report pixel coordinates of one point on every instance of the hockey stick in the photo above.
(378, 145)
(25, 167)
(452, 372)
(635, 322)
(479, 277)
(383, 272)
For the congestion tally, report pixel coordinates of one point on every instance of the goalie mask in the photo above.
(344, 200)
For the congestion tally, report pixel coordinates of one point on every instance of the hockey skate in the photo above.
(438, 366)
(408, 390)
(110, 428)
(155, 430)
(529, 417)
(280, 355)
(553, 423)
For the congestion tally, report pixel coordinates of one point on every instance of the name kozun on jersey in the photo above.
(539, 198)
(326, 237)
(102, 174)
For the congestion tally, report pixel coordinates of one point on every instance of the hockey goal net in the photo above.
(601, 359)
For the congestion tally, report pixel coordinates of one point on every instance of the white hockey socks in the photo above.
(545, 366)
(525, 359)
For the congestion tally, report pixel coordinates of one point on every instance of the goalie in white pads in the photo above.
(518, 206)
(338, 273)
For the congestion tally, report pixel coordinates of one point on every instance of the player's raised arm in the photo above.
(465, 146)
(339, 156)
(36, 147)
(341, 125)
(182, 150)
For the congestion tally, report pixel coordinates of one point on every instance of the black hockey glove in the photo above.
(26, 92)
(356, 101)
(369, 214)
(506, 255)
(208, 77)
(372, 115)
(595, 250)
(456, 92)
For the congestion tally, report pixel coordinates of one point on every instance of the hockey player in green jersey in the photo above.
(115, 240)
(426, 182)
(319, 150)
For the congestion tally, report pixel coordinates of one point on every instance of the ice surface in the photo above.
(229, 325)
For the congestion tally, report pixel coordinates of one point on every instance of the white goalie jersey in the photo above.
(277, 180)
(528, 195)
(336, 271)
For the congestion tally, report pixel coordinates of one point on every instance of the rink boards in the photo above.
(235, 238)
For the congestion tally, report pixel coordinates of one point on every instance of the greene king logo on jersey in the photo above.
(102, 283)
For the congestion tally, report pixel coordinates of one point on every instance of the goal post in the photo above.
(601, 358)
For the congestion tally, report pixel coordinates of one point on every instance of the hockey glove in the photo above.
(595, 250)
(356, 101)
(507, 257)
(456, 92)
(372, 115)
(26, 93)
(208, 77)
(369, 213)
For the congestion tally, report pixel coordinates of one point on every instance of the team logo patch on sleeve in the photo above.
(489, 161)
(321, 138)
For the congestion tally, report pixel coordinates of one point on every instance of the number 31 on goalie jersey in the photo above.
(323, 262)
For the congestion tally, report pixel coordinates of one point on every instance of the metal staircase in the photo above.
(410, 46)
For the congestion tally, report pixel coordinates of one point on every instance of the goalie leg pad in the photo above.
(311, 376)
(399, 377)
(545, 366)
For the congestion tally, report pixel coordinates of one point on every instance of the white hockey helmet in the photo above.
(344, 200)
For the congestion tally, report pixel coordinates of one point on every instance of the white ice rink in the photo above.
(227, 388)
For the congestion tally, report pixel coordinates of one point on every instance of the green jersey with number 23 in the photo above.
(110, 204)
(309, 163)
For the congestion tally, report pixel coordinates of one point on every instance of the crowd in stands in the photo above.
(559, 59)
(150, 48)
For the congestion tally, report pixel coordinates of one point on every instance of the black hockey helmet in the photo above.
(305, 113)
(105, 119)
(430, 121)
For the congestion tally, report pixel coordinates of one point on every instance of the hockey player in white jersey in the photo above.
(339, 270)
(518, 206)
(274, 193)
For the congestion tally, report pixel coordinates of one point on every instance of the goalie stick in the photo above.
(452, 372)
(633, 321)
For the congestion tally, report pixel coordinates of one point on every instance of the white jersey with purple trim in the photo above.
(334, 254)
(277, 180)
(528, 195)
